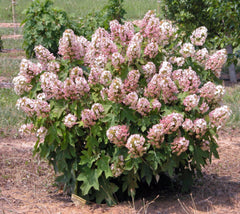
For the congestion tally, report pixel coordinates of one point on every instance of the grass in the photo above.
(135, 8)
(10, 117)
(9, 67)
(232, 99)
(12, 43)
(12, 54)
(10, 31)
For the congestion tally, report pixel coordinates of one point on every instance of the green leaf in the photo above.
(128, 115)
(154, 159)
(88, 158)
(147, 173)
(106, 192)
(130, 183)
(107, 108)
(91, 143)
(89, 177)
(52, 135)
(103, 165)
(58, 108)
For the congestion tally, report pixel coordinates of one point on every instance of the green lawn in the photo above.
(10, 117)
(79, 8)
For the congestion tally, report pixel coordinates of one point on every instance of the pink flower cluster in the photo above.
(201, 56)
(205, 145)
(99, 61)
(134, 48)
(53, 67)
(131, 100)
(118, 134)
(75, 89)
(117, 60)
(72, 88)
(172, 122)
(150, 26)
(179, 145)
(199, 36)
(168, 89)
(30, 106)
(94, 76)
(43, 55)
(21, 84)
(151, 50)
(41, 132)
(167, 31)
(143, 106)
(187, 50)
(136, 145)
(51, 85)
(177, 60)
(121, 33)
(75, 72)
(219, 115)
(101, 44)
(190, 102)
(155, 30)
(149, 70)
(131, 82)
(200, 127)
(188, 125)
(118, 168)
(165, 69)
(161, 85)
(70, 120)
(204, 108)
(72, 46)
(89, 116)
(97, 110)
(29, 69)
(155, 104)
(187, 79)
(216, 61)
(116, 91)
(26, 129)
(156, 135)
(212, 93)
(106, 78)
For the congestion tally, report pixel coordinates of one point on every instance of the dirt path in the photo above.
(26, 185)
(10, 25)
(16, 36)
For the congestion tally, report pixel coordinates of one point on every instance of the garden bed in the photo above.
(27, 185)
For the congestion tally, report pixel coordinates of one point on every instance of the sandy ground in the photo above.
(27, 185)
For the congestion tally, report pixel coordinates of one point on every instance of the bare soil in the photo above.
(10, 25)
(27, 185)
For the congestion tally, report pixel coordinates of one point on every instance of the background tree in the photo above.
(221, 17)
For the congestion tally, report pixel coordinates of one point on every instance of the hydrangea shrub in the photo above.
(119, 110)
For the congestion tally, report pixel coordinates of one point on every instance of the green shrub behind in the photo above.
(44, 25)
(113, 10)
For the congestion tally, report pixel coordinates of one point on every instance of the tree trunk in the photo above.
(231, 68)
